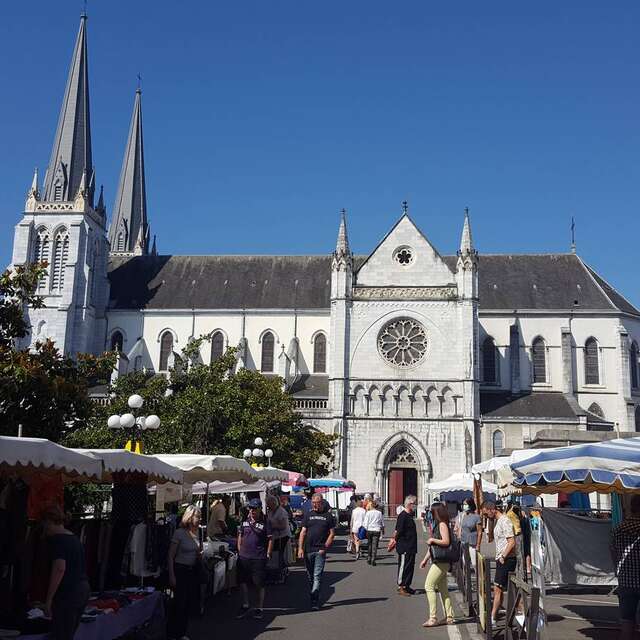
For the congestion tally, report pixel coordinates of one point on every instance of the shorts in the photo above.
(252, 571)
(501, 579)
(628, 599)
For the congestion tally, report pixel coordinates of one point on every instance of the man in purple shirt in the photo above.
(254, 549)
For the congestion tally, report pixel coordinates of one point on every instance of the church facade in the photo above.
(421, 362)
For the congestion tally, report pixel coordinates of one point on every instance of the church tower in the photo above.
(129, 230)
(62, 227)
(341, 283)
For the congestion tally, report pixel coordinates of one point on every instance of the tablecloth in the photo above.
(114, 625)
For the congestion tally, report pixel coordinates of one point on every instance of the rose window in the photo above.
(403, 256)
(403, 342)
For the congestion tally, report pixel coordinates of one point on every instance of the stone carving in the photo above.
(405, 293)
(403, 342)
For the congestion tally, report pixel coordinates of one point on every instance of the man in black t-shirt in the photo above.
(318, 530)
(405, 539)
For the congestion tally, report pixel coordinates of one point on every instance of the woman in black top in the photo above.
(69, 590)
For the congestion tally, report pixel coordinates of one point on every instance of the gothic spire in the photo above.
(129, 232)
(466, 242)
(342, 254)
(71, 152)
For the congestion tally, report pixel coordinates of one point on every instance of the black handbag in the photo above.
(445, 554)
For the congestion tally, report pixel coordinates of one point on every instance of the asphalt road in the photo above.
(359, 601)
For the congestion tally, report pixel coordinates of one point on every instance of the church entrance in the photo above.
(401, 470)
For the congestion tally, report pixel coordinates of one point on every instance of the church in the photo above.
(421, 362)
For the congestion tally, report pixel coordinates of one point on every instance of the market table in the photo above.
(114, 625)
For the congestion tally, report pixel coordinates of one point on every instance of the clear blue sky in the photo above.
(263, 119)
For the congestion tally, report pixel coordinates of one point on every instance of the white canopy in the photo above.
(234, 487)
(116, 460)
(497, 463)
(269, 474)
(459, 482)
(26, 455)
(209, 468)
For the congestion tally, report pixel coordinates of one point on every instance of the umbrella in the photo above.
(269, 474)
(116, 460)
(209, 468)
(459, 482)
(607, 467)
(26, 455)
(331, 483)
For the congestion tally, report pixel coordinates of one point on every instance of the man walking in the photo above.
(318, 531)
(504, 536)
(405, 541)
(625, 551)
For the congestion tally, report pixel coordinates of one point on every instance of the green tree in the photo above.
(40, 389)
(212, 409)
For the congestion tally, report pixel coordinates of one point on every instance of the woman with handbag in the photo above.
(440, 554)
(185, 562)
(358, 533)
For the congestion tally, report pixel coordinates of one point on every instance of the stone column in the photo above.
(567, 360)
(514, 358)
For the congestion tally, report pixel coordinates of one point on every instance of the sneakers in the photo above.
(243, 611)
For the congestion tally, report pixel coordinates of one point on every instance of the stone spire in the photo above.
(342, 255)
(466, 242)
(129, 231)
(71, 152)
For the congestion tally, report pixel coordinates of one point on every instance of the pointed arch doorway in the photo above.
(401, 468)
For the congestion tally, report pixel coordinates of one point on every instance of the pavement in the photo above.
(359, 601)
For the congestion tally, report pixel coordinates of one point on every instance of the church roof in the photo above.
(537, 405)
(506, 282)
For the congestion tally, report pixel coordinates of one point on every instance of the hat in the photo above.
(254, 503)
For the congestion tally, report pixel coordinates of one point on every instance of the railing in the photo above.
(483, 593)
(523, 610)
(463, 573)
(310, 404)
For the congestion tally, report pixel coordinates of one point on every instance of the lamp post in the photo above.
(130, 421)
(257, 453)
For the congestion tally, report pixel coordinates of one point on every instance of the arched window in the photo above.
(41, 252)
(539, 358)
(217, 346)
(60, 257)
(633, 365)
(596, 410)
(591, 372)
(117, 341)
(268, 344)
(489, 361)
(320, 354)
(166, 347)
(638, 418)
(497, 442)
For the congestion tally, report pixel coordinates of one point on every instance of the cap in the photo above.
(255, 503)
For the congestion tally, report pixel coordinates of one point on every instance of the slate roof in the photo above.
(538, 404)
(507, 282)
(311, 386)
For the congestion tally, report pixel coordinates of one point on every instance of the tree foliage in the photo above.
(213, 409)
(40, 389)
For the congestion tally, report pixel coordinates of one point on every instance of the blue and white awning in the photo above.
(607, 467)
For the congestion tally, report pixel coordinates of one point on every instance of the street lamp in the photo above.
(130, 421)
(257, 453)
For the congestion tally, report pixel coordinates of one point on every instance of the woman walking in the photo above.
(357, 521)
(280, 531)
(437, 575)
(185, 556)
(374, 524)
(68, 590)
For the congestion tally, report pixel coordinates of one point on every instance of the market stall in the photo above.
(33, 473)
(209, 468)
